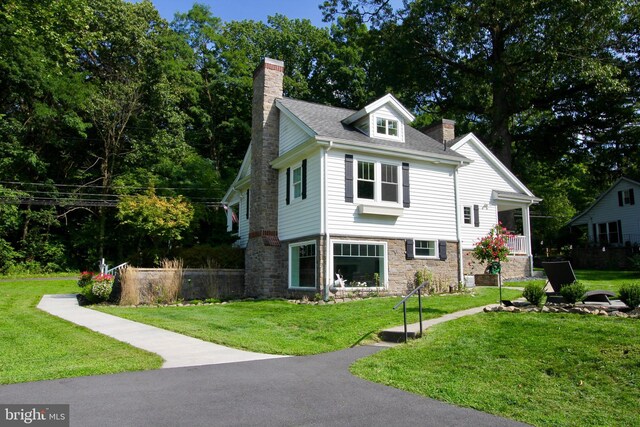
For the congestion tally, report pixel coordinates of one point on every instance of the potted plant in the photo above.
(492, 250)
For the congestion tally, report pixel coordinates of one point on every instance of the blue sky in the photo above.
(230, 10)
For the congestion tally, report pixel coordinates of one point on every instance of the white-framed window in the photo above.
(378, 182)
(387, 127)
(360, 264)
(296, 182)
(467, 215)
(302, 265)
(425, 248)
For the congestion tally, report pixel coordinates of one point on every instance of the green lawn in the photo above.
(37, 346)
(279, 327)
(540, 368)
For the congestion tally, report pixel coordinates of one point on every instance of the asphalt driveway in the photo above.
(297, 391)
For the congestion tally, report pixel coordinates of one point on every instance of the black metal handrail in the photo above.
(404, 307)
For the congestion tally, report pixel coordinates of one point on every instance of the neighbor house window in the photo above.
(360, 264)
(386, 127)
(613, 232)
(467, 214)
(602, 233)
(425, 248)
(302, 265)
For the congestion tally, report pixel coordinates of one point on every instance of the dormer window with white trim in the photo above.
(386, 127)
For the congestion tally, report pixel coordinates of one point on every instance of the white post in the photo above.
(526, 231)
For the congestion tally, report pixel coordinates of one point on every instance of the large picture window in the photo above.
(302, 265)
(360, 264)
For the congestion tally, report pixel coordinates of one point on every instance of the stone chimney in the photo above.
(442, 130)
(263, 263)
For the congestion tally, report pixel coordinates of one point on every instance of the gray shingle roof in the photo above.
(326, 121)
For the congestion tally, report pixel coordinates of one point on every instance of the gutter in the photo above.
(325, 223)
(458, 226)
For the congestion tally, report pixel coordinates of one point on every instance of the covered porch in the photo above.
(513, 212)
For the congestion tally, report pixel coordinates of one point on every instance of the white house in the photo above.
(614, 218)
(326, 193)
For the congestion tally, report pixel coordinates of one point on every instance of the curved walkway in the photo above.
(176, 349)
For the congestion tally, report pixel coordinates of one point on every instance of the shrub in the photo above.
(534, 293)
(630, 294)
(85, 278)
(635, 262)
(573, 293)
(102, 289)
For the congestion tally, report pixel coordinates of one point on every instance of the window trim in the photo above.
(387, 118)
(385, 258)
(290, 281)
(464, 215)
(377, 182)
(435, 242)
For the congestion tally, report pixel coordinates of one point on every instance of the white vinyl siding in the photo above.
(432, 211)
(302, 218)
(243, 222)
(608, 210)
(291, 135)
(476, 183)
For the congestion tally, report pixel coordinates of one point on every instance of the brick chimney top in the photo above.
(269, 64)
(443, 130)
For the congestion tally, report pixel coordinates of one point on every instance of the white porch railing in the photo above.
(518, 245)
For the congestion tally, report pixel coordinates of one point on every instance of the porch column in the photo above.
(526, 231)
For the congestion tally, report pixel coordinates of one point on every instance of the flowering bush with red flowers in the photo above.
(94, 287)
(493, 248)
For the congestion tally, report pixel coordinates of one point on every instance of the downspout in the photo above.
(325, 224)
(458, 229)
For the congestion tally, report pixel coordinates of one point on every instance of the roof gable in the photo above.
(387, 100)
(603, 195)
(494, 162)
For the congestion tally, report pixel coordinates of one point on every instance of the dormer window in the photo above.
(387, 127)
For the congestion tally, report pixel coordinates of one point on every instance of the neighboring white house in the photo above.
(614, 218)
(328, 194)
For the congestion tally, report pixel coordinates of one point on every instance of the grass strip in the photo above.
(280, 327)
(37, 346)
(539, 368)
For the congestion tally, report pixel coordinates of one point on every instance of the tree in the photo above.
(493, 63)
(160, 219)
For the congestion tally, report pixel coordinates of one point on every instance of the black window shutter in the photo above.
(247, 213)
(595, 233)
(476, 215)
(632, 199)
(442, 249)
(304, 179)
(410, 252)
(620, 232)
(348, 178)
(406, 194)
(288, 195)
(620, 202)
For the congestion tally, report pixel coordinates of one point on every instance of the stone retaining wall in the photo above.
(200, 283)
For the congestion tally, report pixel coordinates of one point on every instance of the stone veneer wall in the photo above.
(402, 270)
(263, 260)
(199, 283)
(517, 266)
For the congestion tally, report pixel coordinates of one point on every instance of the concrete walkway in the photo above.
(176, 349)
(396, 334)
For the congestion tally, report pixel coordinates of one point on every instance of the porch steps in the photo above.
(396, 334)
